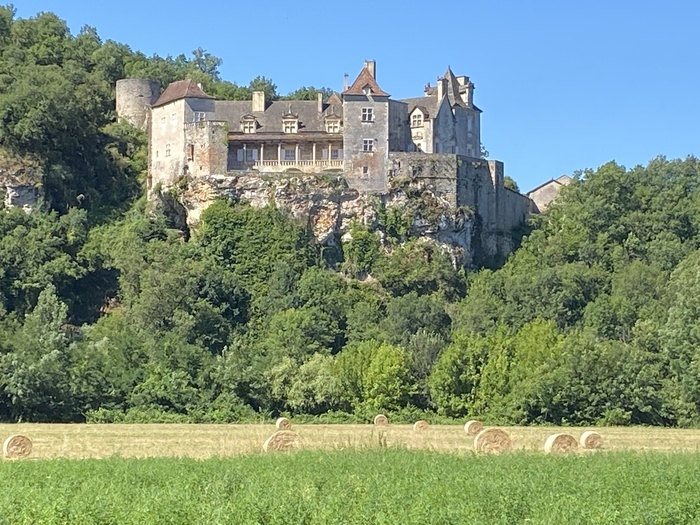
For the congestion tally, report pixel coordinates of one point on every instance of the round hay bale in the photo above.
(473, 427)
(17, 446)
(282, 441)
(283, 423)
(560, 444)
(492, 441)
(591, 439)
(420, 426)
(381, 420)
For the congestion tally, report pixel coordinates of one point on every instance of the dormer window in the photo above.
(333, 126)
(200, 116)
(248, 124)
(290, 125)
(416, 120)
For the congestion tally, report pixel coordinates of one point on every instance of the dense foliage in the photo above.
(350, 487)
(108, 313)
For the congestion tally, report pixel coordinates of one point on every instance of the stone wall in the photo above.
(167, 145)
(399, 129)
(206, 148)
(355, 131)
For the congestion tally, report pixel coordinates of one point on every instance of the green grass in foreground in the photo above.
(383, 487)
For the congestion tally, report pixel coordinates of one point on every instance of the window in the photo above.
(162, 123)
(290, 154)
(470, 123)
(200, 116)
(416, 120)
(367, 144)
(367, 115)
(289, 126)
(249, 126)
(333, 126)
(336, 154)
(173, 118)
(190, 152)
(251, 154)
(365, 171)
(167, 150)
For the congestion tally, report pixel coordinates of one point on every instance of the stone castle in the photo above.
(383, 149)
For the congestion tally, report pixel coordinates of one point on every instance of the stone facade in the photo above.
(379, 147)
(543, 195)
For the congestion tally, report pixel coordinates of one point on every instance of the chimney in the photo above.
(441, 88)
(468, 95)
(371, 66)
(258, 101)
(345, 82)
(319, 99)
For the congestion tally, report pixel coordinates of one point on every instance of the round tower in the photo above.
(134, 99)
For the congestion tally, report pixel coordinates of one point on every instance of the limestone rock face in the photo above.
(20, 182)
(330, 207)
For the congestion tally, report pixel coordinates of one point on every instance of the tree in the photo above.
(265, 85)
(35, 373)
(509, 183)
(308, 93)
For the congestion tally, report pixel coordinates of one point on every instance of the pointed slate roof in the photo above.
(453, 89)
(365, 80)
(180, 89)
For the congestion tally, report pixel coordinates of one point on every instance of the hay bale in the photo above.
(473, 427)
(591, 439)
(560, 444)
(420, 426)
(492, 441)
(283, 423)
(381, 420)
(282, 441)
(17, 446)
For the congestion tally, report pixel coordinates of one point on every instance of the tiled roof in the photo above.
(365, 80)
(429, 104)
(270, 120)
(180, 89)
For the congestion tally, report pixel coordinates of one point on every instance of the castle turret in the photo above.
(134, 99)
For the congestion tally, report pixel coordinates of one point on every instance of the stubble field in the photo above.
(205, 441)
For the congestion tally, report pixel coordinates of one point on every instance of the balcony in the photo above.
(283, 165)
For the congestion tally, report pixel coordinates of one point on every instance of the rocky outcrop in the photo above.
(330, 207)
(20, 181)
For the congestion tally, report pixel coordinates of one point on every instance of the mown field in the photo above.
(216, 474)
(205, 441)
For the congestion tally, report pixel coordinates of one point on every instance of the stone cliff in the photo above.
(331, 207)
(20, 181)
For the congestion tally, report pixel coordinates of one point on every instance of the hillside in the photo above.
(108, 311)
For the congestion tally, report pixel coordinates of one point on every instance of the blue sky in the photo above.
(563, 85)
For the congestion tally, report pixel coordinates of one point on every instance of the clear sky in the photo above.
(563, 85)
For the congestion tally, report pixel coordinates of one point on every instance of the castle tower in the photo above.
(366, 132)
(134, 99)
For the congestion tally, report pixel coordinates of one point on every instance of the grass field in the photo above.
(389, 486)
(216, 474)
(205, 441)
